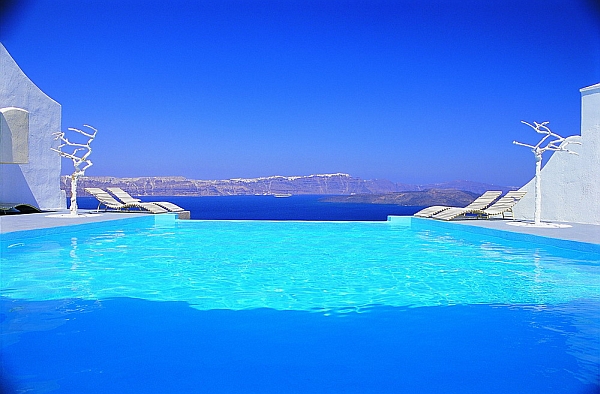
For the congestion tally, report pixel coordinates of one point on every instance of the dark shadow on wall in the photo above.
(15, 188)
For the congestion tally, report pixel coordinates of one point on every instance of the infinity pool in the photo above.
(158, 305)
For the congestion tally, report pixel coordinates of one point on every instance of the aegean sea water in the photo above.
(300, 207)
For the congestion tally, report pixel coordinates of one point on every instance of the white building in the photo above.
(29, 170)
(571, 183)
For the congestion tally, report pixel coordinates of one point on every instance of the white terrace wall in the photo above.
(29, 170)
(571, 183)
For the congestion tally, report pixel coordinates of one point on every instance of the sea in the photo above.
(295, 207)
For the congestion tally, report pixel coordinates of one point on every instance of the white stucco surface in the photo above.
(37, 180)
(571, 183)
(14, 136)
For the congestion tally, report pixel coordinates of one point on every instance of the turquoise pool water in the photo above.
(293, 266)
(409, 290)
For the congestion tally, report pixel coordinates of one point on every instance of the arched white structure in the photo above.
(29, 170)
(14, 136)
(571, 183)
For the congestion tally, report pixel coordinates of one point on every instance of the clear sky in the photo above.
(413, 91)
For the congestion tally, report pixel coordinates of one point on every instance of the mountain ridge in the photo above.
(448, 197)
(325, 184)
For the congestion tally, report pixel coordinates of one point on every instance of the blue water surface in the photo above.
(129, 345)
(301, 207)
(154, 305)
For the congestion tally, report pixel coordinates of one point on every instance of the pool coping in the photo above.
(581, 233)
(583, 237)
(49, 220)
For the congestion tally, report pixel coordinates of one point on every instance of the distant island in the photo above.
(456, 198)
(340, 187)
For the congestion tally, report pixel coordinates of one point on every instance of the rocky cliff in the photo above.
(180, 186)
(334, 184)
(448, 197)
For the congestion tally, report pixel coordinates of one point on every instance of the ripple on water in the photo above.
(296, 266)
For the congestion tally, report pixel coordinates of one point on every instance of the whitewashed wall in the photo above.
(571, 183)
(37, 180)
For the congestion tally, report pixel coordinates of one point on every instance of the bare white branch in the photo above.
(556, 143)
(79, 155)
(522, 144)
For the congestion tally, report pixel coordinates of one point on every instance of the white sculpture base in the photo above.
(539, 225)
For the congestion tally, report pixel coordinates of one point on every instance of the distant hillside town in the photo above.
(324, 184)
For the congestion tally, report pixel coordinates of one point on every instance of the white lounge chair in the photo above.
(126, 198)
(109, 202)
(501, 207)
(480, 202)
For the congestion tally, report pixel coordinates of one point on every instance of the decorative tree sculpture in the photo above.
(558, 143)
(79, 155)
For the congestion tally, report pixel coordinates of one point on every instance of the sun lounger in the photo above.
(7, 208)
(169, 206)
(109, 202)
(430, 211)
(480, 202)
(501, 207)
(126, 198)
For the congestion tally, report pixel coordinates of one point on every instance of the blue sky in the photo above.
(413, 91)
